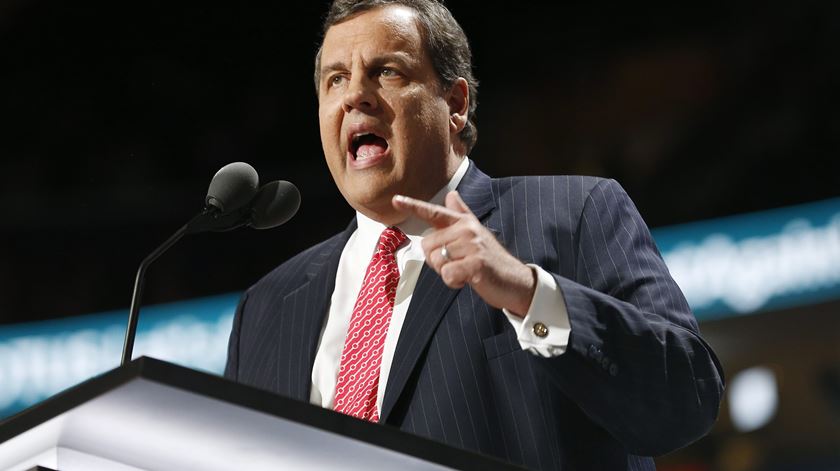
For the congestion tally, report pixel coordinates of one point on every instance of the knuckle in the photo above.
(480, 262)
(479, 242)
(447, 277)
(450, 272)
(431, 263)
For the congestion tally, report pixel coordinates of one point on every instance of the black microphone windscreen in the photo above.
(275, 203)
(233, 186)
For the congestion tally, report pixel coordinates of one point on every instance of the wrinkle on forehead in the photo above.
(396, 29)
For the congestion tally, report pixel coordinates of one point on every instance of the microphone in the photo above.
(274, 204)
(233, 186)
(232, 201)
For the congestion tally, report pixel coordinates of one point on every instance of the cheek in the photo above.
(424, 114)
(330, 126)
(432, 121)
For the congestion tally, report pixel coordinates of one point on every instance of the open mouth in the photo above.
(366, 145)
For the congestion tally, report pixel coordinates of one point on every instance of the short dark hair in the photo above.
(444, 39)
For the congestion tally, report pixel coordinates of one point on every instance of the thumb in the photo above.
(455, 203)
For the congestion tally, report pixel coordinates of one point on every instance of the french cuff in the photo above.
(545, 329)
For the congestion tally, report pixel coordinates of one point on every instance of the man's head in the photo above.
(443, 38)
(396, 99)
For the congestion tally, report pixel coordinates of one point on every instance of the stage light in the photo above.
(753, 398)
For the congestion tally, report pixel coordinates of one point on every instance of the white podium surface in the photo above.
(140, 423)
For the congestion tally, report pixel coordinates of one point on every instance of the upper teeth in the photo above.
(356, 137)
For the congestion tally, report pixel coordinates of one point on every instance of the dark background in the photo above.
(116, 114)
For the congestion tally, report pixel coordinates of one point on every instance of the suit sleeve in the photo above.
(232, 365)
(635, 362)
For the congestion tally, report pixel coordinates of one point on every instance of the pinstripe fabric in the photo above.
(636, 380)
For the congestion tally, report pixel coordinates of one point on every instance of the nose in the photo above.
(360, 95)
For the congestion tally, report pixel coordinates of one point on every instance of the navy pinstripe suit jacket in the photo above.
(636, 380)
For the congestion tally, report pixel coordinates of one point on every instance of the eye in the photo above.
(335, 80)
(388, 72)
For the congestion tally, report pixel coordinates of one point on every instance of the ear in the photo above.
(458, 100)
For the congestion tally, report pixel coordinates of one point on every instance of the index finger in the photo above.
(436, 215)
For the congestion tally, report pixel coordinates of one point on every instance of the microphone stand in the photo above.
(131, 332)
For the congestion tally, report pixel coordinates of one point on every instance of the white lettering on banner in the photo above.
(746, 274)
(33, 368)
(189, 342)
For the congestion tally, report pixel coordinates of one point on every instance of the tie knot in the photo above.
(390, 239)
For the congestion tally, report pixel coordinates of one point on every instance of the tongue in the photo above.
(369, 149)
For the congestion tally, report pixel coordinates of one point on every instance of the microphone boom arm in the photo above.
(131, 332)
(232, 201)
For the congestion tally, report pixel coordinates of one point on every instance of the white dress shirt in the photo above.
(547, 306)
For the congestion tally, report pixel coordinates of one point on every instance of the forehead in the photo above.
(388, 29)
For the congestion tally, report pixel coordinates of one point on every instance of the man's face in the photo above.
(386, 123)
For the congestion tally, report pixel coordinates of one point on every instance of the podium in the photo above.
(153, 415)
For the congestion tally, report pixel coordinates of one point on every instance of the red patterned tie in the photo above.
(358, 375)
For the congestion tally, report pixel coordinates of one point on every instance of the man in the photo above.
(528, 318)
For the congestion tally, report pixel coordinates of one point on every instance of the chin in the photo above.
(360, 198)
(377, 207)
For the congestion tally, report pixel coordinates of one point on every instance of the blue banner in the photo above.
(758, 261)
(40, 359)
(730, 266)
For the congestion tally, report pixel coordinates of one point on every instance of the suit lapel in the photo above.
(431, 298)
(307, 307)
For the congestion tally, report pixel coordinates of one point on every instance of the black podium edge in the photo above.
(225, 390)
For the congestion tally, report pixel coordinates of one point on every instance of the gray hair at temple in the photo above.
(445, 42)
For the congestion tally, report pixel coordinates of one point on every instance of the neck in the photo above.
(387, 215)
